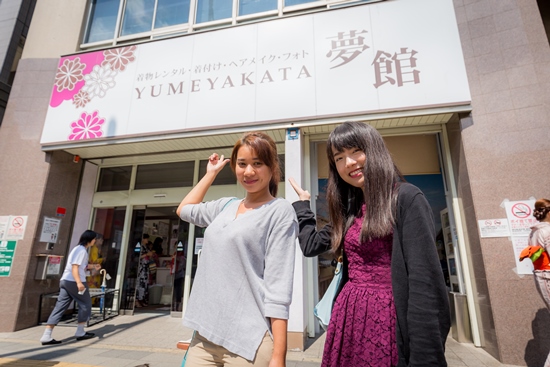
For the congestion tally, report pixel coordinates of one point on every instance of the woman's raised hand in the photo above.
(302, 194)
(216, 163)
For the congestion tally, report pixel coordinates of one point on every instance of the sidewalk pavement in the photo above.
(149, 340)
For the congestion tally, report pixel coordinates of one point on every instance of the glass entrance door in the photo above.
(110, 223)
(132, 255)
(156, 262)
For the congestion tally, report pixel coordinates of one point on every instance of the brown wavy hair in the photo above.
(542, 207)
(378, 192)
(265, 148)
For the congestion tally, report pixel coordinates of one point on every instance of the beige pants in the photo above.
(204, 353)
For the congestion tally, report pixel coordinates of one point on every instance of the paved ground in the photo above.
(150, 339)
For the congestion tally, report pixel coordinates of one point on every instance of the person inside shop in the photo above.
(177, 268)
(157, 247)
(144, 274)
(392, 307)
(240, 299)
(73, 287)
(95, 257)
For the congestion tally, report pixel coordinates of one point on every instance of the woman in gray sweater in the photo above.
(241, 294)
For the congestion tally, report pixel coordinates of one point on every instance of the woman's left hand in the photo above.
(302, 194)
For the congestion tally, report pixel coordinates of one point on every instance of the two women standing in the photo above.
(392, 308)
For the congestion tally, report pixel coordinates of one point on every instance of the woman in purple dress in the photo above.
(392, 307)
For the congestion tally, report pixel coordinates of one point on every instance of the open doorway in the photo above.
(155, 261)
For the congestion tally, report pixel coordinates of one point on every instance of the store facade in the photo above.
(126, 127)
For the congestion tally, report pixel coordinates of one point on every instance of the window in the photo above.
(297, 2)
(225, 177)
(138, 17)
(171, 12)
(117, 21)
(247, 7)
(210, 10)
(102, 20)
(154, 176)
(114, 178)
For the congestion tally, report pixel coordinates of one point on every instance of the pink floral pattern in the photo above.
(68, 74)
(88, 126)
(119, 58)
(82, 78)
(101, 79)
(81, 99)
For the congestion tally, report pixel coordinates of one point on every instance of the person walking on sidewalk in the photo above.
(73, 287)
(392, 308)
(239, 303)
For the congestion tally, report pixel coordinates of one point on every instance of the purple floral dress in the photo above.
(361, 332)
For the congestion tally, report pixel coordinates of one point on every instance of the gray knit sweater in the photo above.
(245, 272)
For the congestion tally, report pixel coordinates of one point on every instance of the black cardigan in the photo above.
(420, 295)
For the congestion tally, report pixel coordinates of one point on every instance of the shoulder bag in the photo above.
(323, 309)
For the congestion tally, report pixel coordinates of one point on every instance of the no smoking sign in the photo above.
(521, 210)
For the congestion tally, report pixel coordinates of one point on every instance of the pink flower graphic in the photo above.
(100, 79)
(88, 126)
(119, 58)
(68, 74)
(81, 99)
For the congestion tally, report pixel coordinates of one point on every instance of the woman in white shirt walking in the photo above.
(72, 286)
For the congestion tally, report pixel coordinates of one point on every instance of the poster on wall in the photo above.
(7, 251)
(17, 224)
(520, 216)
(494, 227)
(525, 266)
(3, 225)
(54, 265)
(50, 230)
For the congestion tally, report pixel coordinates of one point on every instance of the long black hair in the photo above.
(378, 192)
(87, 237)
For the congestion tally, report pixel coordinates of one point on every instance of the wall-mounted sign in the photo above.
(7, 251)
(525, 266)
(520, 216)
(493, 227)
(50, 230)
(4, 220)
(17, 224)
(387, 56)
(54, 265)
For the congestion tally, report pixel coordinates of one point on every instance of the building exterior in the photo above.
(116, 106)
(15, 17)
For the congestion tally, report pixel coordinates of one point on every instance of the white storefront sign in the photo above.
(394, 55)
